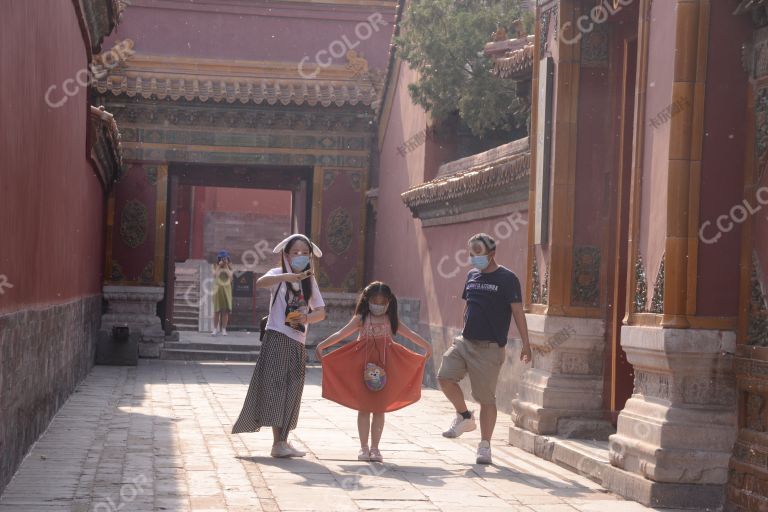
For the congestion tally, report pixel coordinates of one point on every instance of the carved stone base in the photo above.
(566, 378)
(588, 459)
(136, 306)
(680, 424)
(748, 476)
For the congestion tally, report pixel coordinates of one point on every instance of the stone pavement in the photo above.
(157, 437)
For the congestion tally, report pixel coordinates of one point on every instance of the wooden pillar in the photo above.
(677, 429)
(564, 386)
(685, 146)
(563, 165)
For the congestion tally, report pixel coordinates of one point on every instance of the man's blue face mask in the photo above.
(479, 262)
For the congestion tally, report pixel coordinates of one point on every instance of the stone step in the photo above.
(182, 303)
(181, 294)
(591, 459)
(219, 346)
(185, 292)
(207, 355)
(183, 308)
(185, 319)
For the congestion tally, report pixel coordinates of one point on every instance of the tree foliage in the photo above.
(443, 40)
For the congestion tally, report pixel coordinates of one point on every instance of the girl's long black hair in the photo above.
(306, 284)
(373, 289)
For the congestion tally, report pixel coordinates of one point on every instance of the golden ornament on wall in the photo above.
(133, 224)
(339, 230)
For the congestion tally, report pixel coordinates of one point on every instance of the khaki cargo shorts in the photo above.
(482, 360)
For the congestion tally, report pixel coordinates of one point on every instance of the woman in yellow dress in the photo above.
(222, 295)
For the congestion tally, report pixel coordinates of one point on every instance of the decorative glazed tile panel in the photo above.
(328, 178)
(755, 412)
(641, 286)
(535, 283)
(339, 230)
(133, 224)
(758, 310)
(657, 302)
(585, 290)
(547, 19)
(594, 47)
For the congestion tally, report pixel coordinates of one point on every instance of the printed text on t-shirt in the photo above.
(487, 287)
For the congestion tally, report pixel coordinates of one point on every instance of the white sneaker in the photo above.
(484, 453)
(460, 425)
(223, 332)
(214, 333)
(375, 455)
(284, 450)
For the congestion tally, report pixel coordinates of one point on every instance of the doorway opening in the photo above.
(244, 210)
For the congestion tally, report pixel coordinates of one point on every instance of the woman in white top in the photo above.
(274, 395)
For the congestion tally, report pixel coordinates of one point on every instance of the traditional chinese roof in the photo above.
(495, 177)
(258, 82)
(512, 58)
(97, 19)
(106, 150)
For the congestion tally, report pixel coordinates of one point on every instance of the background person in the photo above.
(222, 294)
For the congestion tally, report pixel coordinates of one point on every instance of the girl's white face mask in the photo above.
(378, 309)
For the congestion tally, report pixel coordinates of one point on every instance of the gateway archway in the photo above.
(245, 210)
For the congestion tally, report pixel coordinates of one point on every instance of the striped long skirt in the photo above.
(274, 396)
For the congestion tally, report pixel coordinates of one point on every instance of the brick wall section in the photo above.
(44, 354)
(238, 232)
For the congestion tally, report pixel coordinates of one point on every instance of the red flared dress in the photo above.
(343, 372)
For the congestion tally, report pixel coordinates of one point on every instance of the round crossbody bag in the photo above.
(374, 371)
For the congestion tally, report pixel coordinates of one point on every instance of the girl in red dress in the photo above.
(346, 370)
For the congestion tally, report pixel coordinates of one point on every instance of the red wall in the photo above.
(407, 256)
(252, 32)
(658, 90)
(234, 200)
(596, 148)
(248, 200)
(722, 170)
(51, 201)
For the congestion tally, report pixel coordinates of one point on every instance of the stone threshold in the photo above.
(590, 459)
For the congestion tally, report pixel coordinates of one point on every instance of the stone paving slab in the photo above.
(157, 437)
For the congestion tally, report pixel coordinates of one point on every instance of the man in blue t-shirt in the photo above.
(493, 297)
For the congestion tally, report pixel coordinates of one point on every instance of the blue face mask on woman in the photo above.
(299, 263)
(479, 262)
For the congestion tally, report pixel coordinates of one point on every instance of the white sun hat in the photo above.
(315, 249)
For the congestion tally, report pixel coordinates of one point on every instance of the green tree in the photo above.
(443, 40)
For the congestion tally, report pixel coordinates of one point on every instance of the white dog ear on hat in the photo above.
(315, 249)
